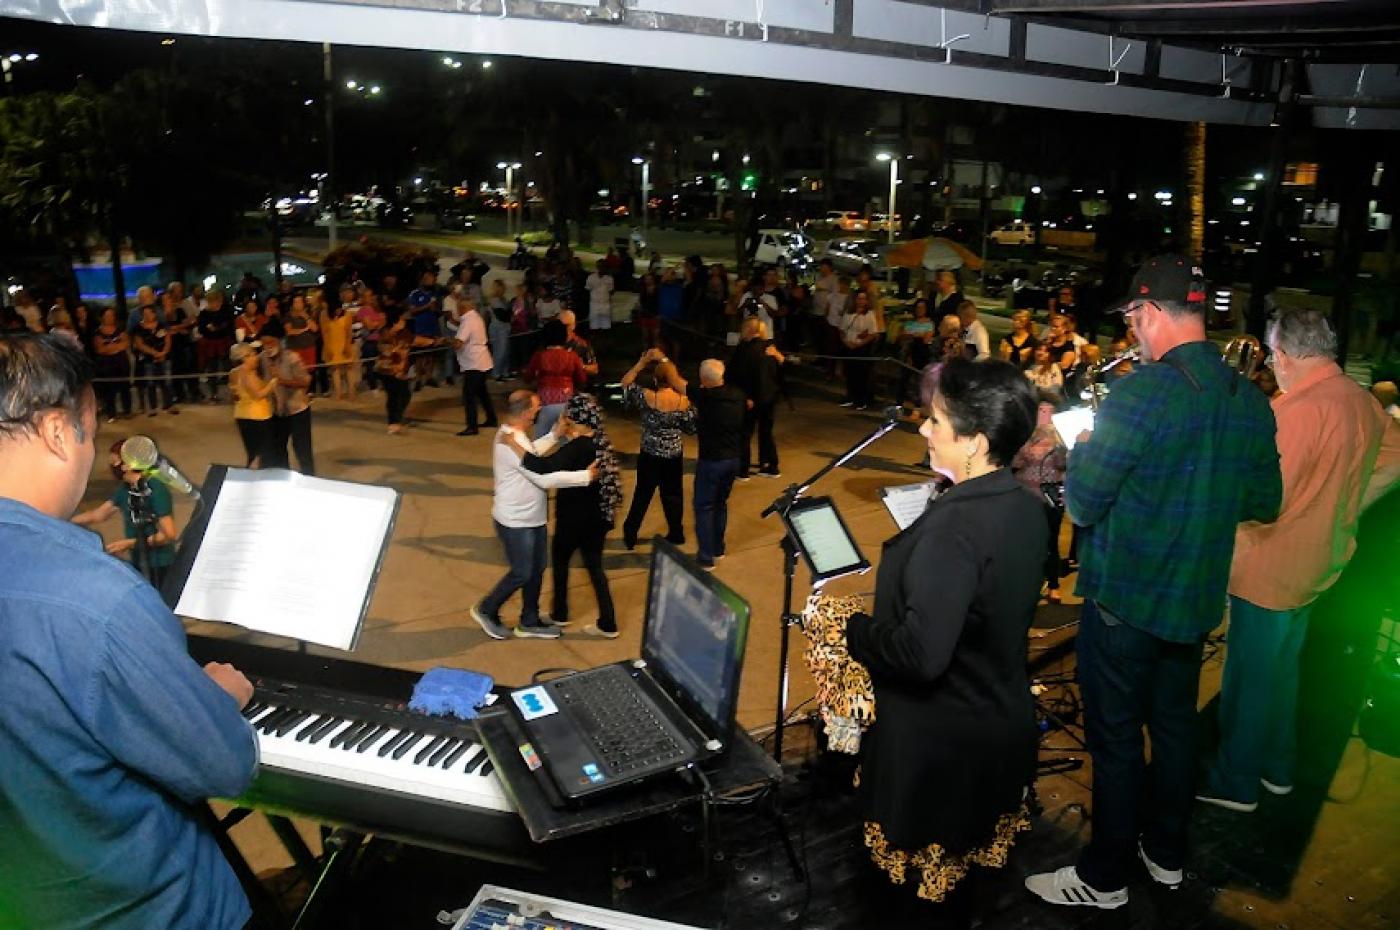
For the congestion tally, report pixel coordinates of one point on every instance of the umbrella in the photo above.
(933, 254)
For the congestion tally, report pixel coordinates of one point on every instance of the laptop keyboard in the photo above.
(627, 730)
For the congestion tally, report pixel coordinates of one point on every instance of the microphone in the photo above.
(894, 412)
(139, 453)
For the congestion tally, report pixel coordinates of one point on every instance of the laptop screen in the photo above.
(693, 639)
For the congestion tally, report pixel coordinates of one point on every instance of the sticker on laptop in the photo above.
(534, 703)
(592, 772)
(532, 759)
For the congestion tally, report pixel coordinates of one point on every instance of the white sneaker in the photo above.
(1230, 804)
(1275, 789)
(1169, 877)
(1064, 886)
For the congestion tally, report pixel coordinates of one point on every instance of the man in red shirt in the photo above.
(1337, 450)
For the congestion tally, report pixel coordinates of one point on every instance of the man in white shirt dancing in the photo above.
(520, 511)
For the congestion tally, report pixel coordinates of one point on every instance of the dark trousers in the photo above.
(569, 538)
(397, 393)
(525, 554)
(1131, 679)
(182, 363)
(1054, 516)
(656, 473)
(369, 353)
(257, 439)
(297, 429)
(759, 416)
(714, 479)
(112, 393)
(159, 375)
(858, 375)
(474, 392)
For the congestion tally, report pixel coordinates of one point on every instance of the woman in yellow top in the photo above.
(252, 404)
(336, 350)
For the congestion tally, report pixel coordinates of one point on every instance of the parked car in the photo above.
(848, 256)
(1016, 233)
(783, 248)
(842, 221)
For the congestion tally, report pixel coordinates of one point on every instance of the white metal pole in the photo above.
(646, 194)
(889, 218)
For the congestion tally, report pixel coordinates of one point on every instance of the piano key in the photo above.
(448, 781)
(317, 721)
(328, 722)
(406, 745)
(443, 750)
(385, 734)
(373, 731)
(253, 709)
(335, 726)
(291, 723)
(428, 749)
(457, 753)
(488, 768)
(268, 723)
(394, 743)
(354, 729)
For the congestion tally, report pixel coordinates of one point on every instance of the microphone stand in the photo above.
(137, 505)
(781, 505)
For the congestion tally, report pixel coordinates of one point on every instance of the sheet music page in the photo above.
(289, 555)
(907, 502)
(1070, 423)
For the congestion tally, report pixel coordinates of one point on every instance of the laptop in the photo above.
(598, 730)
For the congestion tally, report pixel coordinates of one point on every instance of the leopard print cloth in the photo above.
(844, 691)
(939, 872)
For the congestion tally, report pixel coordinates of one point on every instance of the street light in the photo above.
(646, 189)
(8, 62)
(509, 167)
(889, 217)
(1035, 189)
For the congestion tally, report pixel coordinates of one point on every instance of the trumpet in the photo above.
(1094, 388)
(1244, 353)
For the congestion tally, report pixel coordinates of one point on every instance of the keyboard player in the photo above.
(109, 732)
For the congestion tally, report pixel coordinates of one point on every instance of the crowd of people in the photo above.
(1192, 487)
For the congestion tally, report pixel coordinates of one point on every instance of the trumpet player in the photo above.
(1182, 451)
(1336, 444)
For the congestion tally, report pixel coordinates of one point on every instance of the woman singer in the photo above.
(953, 746)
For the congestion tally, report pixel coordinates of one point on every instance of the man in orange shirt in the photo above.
(1338, 450)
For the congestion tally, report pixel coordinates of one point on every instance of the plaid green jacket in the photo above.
(1159, 488)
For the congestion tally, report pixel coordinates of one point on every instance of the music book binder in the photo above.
(907, 502)
(279, 552)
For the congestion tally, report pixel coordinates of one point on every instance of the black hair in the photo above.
(272, 327)
(553, 333)
(39, 373)
(990, 397)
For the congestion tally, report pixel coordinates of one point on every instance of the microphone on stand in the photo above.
(139, 453)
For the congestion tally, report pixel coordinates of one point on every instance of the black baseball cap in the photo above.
(1164, 277)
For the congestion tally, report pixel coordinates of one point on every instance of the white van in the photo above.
(1016, 233)
(783, 248)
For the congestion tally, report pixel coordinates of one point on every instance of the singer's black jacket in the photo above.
(954, 739)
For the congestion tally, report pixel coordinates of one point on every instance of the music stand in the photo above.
(783, 505)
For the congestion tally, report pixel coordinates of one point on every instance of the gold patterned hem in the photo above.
(939, 872)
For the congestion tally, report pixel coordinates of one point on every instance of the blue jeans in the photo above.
(526, 556)
(499, 334)
(714, 479)
(549, 415)
(1258, 700)
(1131, 679)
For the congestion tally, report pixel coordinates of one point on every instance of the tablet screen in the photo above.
(824, 539)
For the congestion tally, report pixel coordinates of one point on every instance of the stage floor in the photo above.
(1324, 857)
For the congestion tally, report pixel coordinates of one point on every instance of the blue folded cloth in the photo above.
(454, 692)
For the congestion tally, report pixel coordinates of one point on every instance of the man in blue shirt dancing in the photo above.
(110, 735)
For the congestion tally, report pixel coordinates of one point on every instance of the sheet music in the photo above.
(907, 502)
(1070, 423)
(289, 555)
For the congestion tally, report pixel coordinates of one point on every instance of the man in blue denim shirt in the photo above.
(109, 733)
